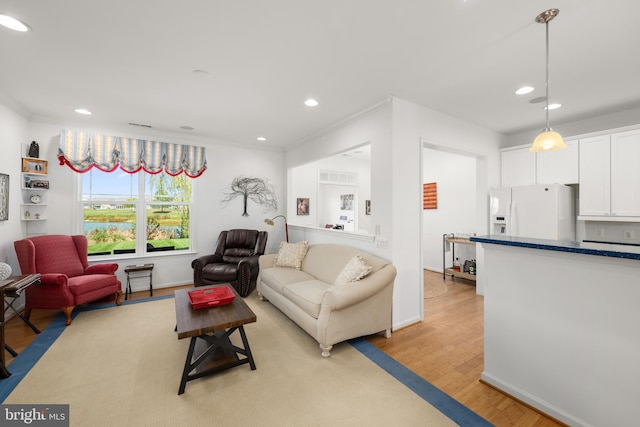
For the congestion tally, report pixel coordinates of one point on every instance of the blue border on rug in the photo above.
(21, 365)
(446, 404)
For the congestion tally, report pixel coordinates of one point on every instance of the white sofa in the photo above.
(330, 313)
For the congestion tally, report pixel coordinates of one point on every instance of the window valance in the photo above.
(81, 151)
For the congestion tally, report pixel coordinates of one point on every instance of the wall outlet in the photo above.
(629, 234)
(599, 232)
(382, 243)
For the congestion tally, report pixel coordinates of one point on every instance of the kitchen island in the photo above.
(562, 327)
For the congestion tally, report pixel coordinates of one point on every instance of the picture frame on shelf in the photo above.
(4, 197)
(36, 166)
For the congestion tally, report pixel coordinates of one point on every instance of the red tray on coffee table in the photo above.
(203, 298)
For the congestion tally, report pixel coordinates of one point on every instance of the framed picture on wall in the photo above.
(4, 197)
(303, 206)
(346, 202)
(30, 165)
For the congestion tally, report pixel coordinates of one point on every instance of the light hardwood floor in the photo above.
(446, 350)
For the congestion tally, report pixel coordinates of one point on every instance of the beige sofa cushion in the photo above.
(307, 295)
(278, 278)
(291, 254)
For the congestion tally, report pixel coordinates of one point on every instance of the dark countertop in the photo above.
(589, 248)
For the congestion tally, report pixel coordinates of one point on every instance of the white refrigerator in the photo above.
(535, 211)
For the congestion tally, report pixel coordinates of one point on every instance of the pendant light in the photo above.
(548, 140)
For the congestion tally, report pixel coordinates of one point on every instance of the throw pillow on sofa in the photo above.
(291, 254)
(356, 269)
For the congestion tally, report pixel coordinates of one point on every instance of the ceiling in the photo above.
(257, 61)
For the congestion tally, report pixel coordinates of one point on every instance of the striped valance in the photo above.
(81, 151)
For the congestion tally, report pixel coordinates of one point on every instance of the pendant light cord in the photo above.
(547, 81)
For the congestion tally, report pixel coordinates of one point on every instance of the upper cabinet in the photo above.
(610, 177)
(518, 167)
(559, 166)
(595, 176)
(522, 167)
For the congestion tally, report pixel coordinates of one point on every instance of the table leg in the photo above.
(151, 283)
(245, 342)
(187, 366)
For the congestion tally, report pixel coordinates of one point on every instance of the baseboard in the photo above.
(540, 406)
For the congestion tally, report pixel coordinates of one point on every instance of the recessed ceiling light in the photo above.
(311, 102)
(186, 128)
(524, 90)
(554, 106)
(261, 138)
(13, 23)
(83, 111)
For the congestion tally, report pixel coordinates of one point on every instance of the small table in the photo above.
(136, 268)
(12, 288)
(213, 327)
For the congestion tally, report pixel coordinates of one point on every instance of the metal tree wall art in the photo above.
(255, 189)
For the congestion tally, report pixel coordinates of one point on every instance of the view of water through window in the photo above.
(112, 202)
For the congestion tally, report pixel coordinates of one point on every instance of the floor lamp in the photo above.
(286, 226)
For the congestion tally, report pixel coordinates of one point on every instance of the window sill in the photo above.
(127, 257)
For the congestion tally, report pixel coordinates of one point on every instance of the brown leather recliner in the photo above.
(235, 261)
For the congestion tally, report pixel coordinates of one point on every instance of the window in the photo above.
(136, 213)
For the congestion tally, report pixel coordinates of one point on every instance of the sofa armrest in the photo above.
(343, 296)
(104, 268)
(204, 260)
(266, 261)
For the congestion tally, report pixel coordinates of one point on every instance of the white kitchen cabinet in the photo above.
(595, 176)
(518, 166)
(560, 166)
(610, 177)
(625, 174)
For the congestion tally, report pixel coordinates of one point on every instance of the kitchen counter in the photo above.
(588, 248)
(561, 327)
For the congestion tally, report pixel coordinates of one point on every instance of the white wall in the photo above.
(455, 176)
(225, 162)
(397, 132)
(13, 135)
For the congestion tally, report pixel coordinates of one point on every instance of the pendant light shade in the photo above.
(548, 140)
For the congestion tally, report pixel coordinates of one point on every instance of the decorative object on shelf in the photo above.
(547, 140)
(430, 195)
(286, 226)
(27, 214)
(35, 198)
(30, 165)
(255, 189)
(37, 216)
(5, 270)
(4, 197)
(34, 150)
(302, 206)
(39, 184)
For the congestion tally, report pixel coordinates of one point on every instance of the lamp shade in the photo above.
(548, 141)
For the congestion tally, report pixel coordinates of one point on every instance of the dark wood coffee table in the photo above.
(212, 327)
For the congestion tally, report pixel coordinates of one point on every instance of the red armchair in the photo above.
(66, 278)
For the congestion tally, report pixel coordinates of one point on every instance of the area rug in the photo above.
(434, 285)
(122, 366)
